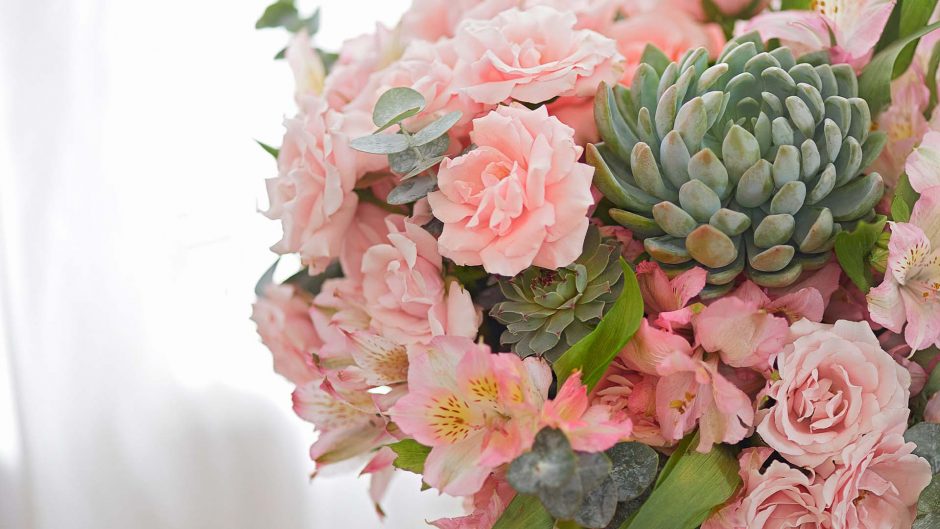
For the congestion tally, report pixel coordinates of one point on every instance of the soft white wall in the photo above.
(133, 391)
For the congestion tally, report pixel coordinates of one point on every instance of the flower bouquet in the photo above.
(619, 263)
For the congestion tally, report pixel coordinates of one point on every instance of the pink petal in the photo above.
(923, 165)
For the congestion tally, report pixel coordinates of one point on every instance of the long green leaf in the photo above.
(525, 512)
(593, 353)
(874, 85)
(690, 487)
(915, 14)
(904, 199)
(853, 250)
(796, 4)
(932, 67)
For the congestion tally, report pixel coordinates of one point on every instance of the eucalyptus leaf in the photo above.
(396, 105)
(929, 502)
(423, 166)
(412, 190)
(273, 151)
(927, 521)
(593, 353)
(411, 455)
(690, 487)
(599, 506)
(436, 128)
(854, 247)
(874, 85)
(927, 438)
(280, 14)
(525, 512)
(380, 143)
(593, 469)
(312, 284)
(549, 464)
(266, 279)
(634, 468)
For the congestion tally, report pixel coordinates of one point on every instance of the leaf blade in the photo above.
(874, 85)
(411, 455)
(853, 249)
(525, 512)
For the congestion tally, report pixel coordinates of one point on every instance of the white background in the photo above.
(133, 390)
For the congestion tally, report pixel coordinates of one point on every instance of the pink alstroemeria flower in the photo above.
(478, 411)
(747, 328)
(923, 165)
(666, 299)
(691, 391)
(910, 293)
(849, 29)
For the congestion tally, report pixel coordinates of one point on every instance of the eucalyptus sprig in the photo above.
(410, 154)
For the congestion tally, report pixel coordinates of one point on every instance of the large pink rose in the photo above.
(312, 195)
(285, 327)
(878, 485)
(359, 58)
(520, 198)
(404, 289)
(532, 56)
(835, 385)
(779, 497)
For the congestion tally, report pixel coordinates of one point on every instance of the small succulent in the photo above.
(548, 311)
(755, 163)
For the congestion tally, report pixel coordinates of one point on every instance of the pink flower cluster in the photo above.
(816, 378)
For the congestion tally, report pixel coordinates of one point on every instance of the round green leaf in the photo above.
(380, 143)
(396, 105)
(436, 129)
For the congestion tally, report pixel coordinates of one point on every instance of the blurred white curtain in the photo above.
(133, 391)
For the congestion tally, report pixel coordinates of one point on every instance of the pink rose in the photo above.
(878, 485)
(577, 113)
(312, 195)
(671, 31)
(835, 385)
(285, 327)
(404, 289)
(520, 198)
(779, 497)
(359, 58)
(634, 395)
(532, 56)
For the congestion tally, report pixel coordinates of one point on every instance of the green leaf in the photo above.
(928, 506)
(266, 279)
(853, 249)
(411, 455)
(412, 190)
(874, 85)
(380, 143)
(796, 4)
(280, 14)
(927, 438)
(436, 129)
(634, 468)
(270, 150)
(904, 199)
(593, 353)
(314, 283)
(396, 105)
(915, 14)
(932, 66)
(525, 512)
(690, 487)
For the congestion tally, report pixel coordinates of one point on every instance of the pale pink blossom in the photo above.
(666, 300)
(650, 347)
(520, 198)
(478, 411)
(284, 324)
(588, 428)
(633, 394)
(694, 7)
(309, 73)
(747, 328)
(673, 32)
(577, 113)
(405, 292)
(777, 497)
(532, 56)
(835, 385)
(904, 123)
(848, 29)
(312, 195)
(691, 392)
(923, 165)
(381, 470)
(486, 506)
(909, 297)
(878, 485)
(359, 58)
(349, 423)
